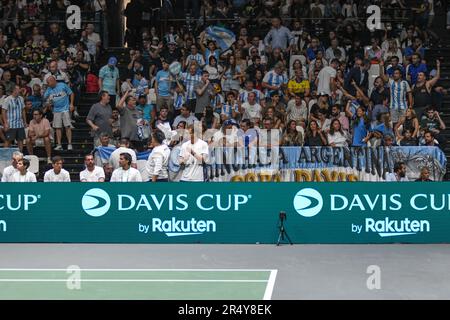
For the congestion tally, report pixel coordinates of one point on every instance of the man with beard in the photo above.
(92, 173)
(399, 174)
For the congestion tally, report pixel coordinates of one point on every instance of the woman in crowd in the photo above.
(292, 137)
(314, 136)
(337, 137)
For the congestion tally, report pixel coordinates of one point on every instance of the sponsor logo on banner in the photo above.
(96, 202)
(308, 202)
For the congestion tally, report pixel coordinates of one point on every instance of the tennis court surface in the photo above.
(224, 272)
(135, 284)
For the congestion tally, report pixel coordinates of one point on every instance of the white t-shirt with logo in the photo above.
(92, 176)
(62, 176)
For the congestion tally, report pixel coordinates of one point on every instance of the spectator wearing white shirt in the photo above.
(114, 159)
(325, 79)
(251, 109)
(158, 161)
(22, 174)
(92, 173)
(193, 154)
(57, 174)
(125, 173)
(337, 137)
(10, 170)
(399, 174)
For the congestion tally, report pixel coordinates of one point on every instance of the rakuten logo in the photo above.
(177, 228)
(391, 228)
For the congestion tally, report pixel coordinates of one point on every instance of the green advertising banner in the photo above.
(225, 212)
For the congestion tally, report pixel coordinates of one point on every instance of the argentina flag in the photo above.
(223, 37)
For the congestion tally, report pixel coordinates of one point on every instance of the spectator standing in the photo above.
(400, 94)
(99, 117)
(193, 154)
(14, 118)
(109, 79)
(204, 91)
(163, 86)
(158, 161)
(278, 37)
(57, 95)
(325, 79)
(129, 116)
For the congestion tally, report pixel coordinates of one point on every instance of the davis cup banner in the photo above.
(225, 212)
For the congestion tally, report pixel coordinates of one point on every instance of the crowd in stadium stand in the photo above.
(308, 71)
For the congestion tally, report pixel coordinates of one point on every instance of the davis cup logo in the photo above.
(308, 202)
(96, 202)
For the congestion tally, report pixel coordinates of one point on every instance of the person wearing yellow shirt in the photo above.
(298, 85)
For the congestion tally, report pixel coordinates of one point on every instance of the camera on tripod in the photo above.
(283, 234)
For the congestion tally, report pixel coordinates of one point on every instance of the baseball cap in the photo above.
(112, 61)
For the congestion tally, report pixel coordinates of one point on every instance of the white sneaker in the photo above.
(76, 114)
(58, 147)
(49, 160)
(69, 147)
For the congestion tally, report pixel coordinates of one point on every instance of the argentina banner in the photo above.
(223, 37)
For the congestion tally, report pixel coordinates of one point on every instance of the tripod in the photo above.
(283, 232)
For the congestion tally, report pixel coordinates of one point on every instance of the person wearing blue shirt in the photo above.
(36, 98)
(163, 85)
(57, 95)
(147, 109)
(109, 79)
(415, 47)
(415, 68)
(395, 64)
(360, 124)
(313, 49)
(279, 36)
(140, 84)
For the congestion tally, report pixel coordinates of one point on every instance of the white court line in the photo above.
(83, 269)
(129, 280)
(270, 285)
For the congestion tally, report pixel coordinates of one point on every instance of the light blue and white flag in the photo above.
(223, 37)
